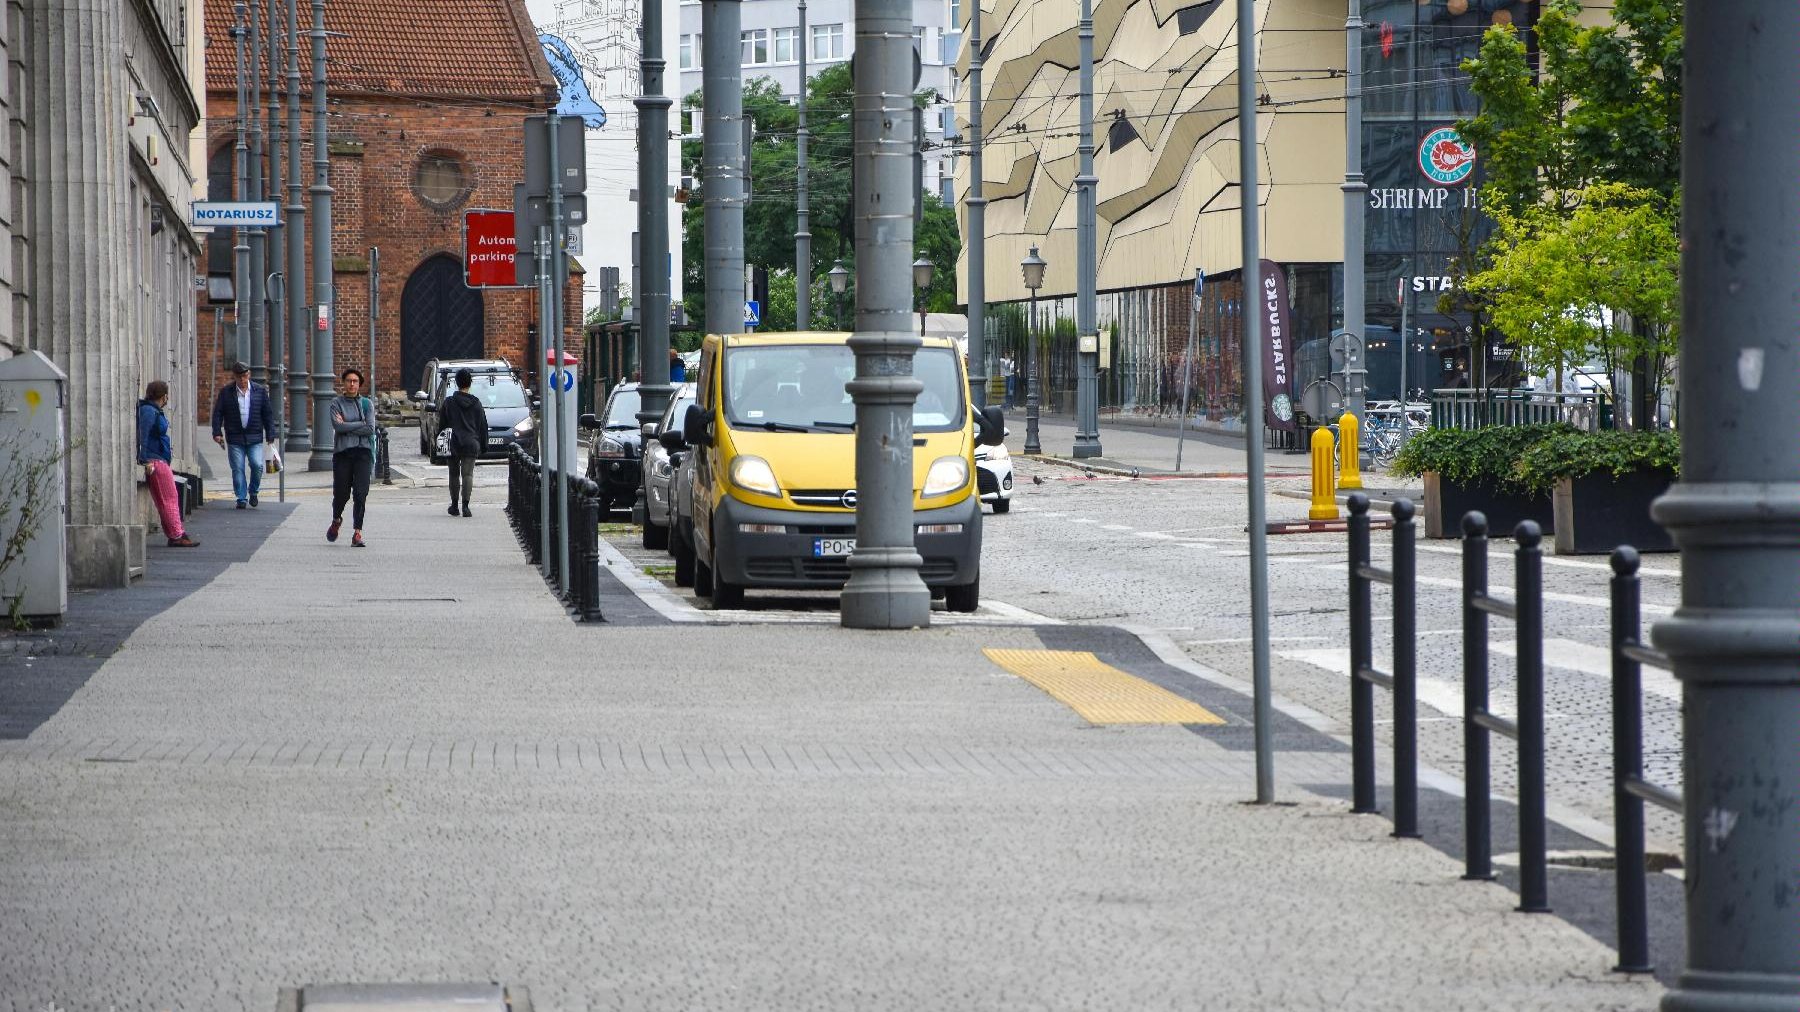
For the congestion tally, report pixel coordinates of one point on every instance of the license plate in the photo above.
(496, 440)
(832, 548)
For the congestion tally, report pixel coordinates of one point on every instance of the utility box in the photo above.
(562, 432)
(32, 490)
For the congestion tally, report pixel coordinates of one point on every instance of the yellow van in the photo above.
(772, 433)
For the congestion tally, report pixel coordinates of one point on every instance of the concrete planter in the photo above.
(1596, 513)
(1446, 501)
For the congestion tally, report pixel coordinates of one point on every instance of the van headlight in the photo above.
(524, 427)
(947, 474)
(753, 474)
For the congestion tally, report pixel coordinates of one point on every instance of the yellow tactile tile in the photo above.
(1099, 692)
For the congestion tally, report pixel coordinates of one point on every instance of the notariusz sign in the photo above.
(236, 214)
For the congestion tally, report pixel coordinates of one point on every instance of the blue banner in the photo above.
(576, 100)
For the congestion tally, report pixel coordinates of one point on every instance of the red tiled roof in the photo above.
(464, 49)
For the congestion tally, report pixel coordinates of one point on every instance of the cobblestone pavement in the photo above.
(407, 763)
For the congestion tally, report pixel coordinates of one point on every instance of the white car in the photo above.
(994, 476)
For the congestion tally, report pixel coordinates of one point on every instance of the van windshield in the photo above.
(801, 387)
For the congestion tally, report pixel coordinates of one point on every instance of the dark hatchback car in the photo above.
(615, 445)
(508, 410)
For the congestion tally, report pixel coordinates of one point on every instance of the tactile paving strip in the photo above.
(1099, 692)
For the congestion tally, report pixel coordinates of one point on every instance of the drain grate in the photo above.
(407, 997)
(408, 600)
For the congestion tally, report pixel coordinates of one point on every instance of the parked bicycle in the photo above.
(1387, 427)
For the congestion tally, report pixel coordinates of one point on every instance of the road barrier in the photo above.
(1324, 495)
(1402, 681)
(1349, 453)
(524, 489)
(1629, 654)
(1630, 789)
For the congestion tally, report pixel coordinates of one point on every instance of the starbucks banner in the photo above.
(1278, 404)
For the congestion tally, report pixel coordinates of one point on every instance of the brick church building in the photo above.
(425, 121)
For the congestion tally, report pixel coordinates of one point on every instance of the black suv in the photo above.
(615, 447)
(503, 397)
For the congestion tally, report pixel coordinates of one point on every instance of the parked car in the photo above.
(681, 519)
(615, 446)
(659, 470)
(502, 396)
(994, 476)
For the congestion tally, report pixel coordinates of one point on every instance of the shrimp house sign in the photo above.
(1445, 160)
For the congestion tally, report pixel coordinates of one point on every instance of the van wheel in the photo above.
(727, 595)
(1002, 505)
(703, 576)
(682, 546)
(654, 536)
(965, 598)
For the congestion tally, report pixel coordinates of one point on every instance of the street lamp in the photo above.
(840, 280)
(1033, 268)
(922, 269)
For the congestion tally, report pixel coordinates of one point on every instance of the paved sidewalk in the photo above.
(407, 763)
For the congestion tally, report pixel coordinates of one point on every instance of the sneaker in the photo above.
(356, 541)
(243, 505)
(466, 512)
(452, 509)
(183, 542)
(253, 500)
(331, 532)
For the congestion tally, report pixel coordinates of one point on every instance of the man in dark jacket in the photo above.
(466, 420)
(242, 422)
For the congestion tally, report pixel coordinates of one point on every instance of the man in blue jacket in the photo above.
(242, 422)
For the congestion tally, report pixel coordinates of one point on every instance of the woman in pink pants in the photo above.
(154, 453)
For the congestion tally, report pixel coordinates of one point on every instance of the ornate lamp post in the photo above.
(1033, 268)
(840, 280)
(922, 270)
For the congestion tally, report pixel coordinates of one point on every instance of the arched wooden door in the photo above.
(440, 317)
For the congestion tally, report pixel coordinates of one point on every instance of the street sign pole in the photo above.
(1187, 365)
(1087, 355)
(558, 267)
(1356, 190)
(546, 435)
(1253, 408)
(1735, 513)
(722, 162)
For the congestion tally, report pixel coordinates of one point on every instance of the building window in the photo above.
(441, 181)
(784, 44)
(755, 47)
(1189, 19)
(690, 49)
(828, 42)
(951, 46)
(956, 14)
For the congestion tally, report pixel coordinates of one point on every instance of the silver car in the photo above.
(659, 471)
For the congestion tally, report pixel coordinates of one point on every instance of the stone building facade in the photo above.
(425, 124)
(96, 258)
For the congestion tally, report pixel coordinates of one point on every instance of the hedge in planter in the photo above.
(1601, 485)
(1473, 469)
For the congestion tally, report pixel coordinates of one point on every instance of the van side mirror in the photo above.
(672, 440)
(694, 427)
(419, 395)
(588, 421)
(993, 426)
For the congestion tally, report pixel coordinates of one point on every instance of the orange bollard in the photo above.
(1349, 468)
(1324, 500)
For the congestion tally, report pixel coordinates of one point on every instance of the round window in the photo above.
(440, 180)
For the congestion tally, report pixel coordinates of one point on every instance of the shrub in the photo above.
(1575, 454)
(1484, 457)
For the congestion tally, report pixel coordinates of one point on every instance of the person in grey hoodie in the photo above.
(353, 455)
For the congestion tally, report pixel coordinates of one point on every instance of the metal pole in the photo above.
(884, 591)
(277, 285)
(1628, 763)
(1032, 446)
(1406, 672)
(1087, 363)
(653, 225)
(259, 237)
(374, 311)
(240, 281)
(1528, 599)
(1405, 353)
(722, 166)
(275, 243)
(802, 212)
(976, 241)
(558, 269)
(1355, 192)
(324, 360)
(1735, 639)
(1477, 777)
(299, 432)
(546, 430)
(1253, 407)
(1362, 693)
(1187, 371)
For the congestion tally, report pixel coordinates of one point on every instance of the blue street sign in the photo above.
(564, 378)
(236, 214)
(752, 313)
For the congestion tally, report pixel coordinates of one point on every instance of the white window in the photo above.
(690, 48)
(755, 47)
(919, 41)
(784, 44)
(828, 42)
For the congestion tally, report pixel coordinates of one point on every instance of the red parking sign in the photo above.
(488, 249)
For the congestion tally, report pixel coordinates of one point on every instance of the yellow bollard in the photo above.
(1324, 500)
(1349, 468)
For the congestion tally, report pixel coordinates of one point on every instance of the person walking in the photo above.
(353, 456)
(677, 367)
(466, 420)
(242, 422)
(154, 454)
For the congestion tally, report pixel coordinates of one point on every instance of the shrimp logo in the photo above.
(1445, 158)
